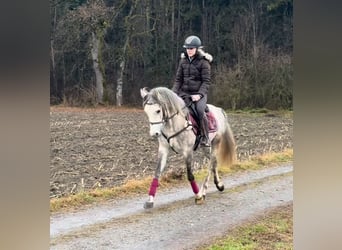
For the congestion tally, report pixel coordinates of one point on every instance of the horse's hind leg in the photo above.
(219, 185)
(213, 166)
(203, 190)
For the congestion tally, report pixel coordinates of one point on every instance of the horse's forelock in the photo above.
(146, 99)
(149, 99)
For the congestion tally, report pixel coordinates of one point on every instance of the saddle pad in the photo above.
(212, 123)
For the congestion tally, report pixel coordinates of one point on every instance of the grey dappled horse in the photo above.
(169, 122)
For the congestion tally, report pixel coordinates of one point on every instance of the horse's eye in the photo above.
(158, 111)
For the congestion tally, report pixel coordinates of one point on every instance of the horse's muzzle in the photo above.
(156, 134)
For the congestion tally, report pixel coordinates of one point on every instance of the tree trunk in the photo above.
(204, 23)
(120, 83)
(96, 66)
(53, 67)
(52, 57)
(178, 34)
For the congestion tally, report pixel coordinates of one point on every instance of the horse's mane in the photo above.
(169, 101)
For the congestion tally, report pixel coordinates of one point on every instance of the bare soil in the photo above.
(105, 147)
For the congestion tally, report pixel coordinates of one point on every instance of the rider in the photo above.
(193, 79)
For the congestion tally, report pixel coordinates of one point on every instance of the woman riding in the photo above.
(193, 79)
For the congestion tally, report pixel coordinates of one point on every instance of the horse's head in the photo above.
(161, 106)
(154, 113)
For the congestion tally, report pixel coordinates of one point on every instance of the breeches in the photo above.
(200, 107)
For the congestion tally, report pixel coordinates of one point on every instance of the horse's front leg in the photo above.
(162, 157)
(191, 178)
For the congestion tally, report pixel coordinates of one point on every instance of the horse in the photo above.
(169, 119)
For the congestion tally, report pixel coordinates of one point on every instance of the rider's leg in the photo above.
(200, 106)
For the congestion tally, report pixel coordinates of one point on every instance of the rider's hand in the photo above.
(195, 98)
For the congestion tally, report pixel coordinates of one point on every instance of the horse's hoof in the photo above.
(199, 200)
(148, 205)
(220, 188)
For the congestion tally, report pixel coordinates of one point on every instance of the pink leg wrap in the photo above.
(194, 187)
(153, 187)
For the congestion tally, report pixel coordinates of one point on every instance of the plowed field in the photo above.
(104, 147)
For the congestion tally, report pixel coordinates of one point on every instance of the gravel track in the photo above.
(175, 222)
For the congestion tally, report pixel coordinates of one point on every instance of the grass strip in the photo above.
(272, 231)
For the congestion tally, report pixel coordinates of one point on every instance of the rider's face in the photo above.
(191, 51)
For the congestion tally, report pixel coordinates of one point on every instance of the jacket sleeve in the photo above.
(179, 79)
(206, 78)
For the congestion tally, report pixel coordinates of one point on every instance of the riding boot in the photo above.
(204, 132)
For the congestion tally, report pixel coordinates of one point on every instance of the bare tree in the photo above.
(92, 49)
(136, 26)
(97, 16)
(53, 10)
(119, 83)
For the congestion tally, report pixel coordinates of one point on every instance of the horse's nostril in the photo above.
(155, 134)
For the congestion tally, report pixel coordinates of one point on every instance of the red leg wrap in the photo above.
(153, 187)
(194, 187)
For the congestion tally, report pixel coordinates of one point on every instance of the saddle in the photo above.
(212, 123)
(193, 118)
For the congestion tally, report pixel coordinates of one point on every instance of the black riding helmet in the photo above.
(192, 42)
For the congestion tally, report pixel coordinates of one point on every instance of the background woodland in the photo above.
(104, 51)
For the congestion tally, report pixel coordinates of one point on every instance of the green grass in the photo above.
(271, 232)
(135, 187)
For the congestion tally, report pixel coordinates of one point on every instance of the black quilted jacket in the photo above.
(193, 77)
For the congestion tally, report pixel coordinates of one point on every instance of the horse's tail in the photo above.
(227, 147)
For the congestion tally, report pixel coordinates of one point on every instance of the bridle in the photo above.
(167, 119)
(164, 120)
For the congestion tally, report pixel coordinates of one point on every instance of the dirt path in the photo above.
(175, 222)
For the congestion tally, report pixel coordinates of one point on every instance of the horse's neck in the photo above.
(177, 123)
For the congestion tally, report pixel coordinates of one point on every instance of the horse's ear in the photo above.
(143, 92)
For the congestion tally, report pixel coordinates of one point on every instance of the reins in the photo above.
(177, 133)
(168, 138)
